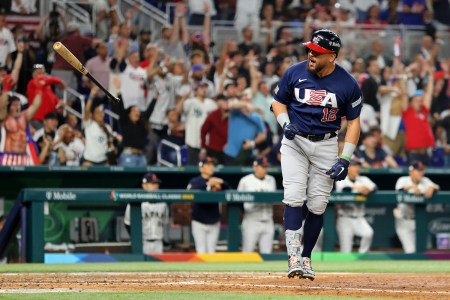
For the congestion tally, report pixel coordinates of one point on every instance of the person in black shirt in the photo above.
(206, 216)
(134, 129)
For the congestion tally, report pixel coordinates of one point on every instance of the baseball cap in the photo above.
(207, 160)
(145, 31)
(197, 67)
(151, 178)
(416, 165)
(261, 161)
(221, 97)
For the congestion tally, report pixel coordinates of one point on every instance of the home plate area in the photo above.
(375, 285)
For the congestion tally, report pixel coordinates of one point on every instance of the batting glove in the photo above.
(339, 170)
(290, 130)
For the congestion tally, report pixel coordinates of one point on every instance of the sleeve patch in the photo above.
(276, 90)
(356, 103)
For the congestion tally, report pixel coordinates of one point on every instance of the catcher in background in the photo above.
(351, 221)
(155, 216)
(415, 183)
(257, 225)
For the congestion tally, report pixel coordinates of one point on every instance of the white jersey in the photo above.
(164, 89)
(407, 210)
(154, 217)
(353, 210)
(7, 44)
(250, 183)
(96, 142)
(196, 112)
(73, 151)
(132, 84)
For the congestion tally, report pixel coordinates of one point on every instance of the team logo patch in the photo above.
(276, 90)
(356, 103)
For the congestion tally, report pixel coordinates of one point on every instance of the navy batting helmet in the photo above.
(324, 41)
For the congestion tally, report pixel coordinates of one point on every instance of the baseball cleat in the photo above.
(308, 272)
(295, 268)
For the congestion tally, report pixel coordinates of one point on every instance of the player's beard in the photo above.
(315, 66)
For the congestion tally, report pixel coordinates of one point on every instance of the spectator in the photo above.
(197, 11)
(351, 221)
(98, 66)
(69, 148)
(369, 87)
(28, 60)
(419, 135)
(106, 17)
(23, 7)
(170, 42)
(392, 14)
(413, 11)
(415, 183)
(8, 44)
(247, 14)
(441, 12)
(373, 20)
(214, 131)
(362, 7)
(45, 138)
(155, 216)
(245, 131)
(50, 100)
(247, 43)
(391, 112)
(372, 155)
(195, 110)
(368, 118)
(206, 216)
(77, 44)
(15, 123)
(134, 129)
(99, 136)
(120, 37)
(145, 37)
(257, 224)
(262, 100)
(377, 51)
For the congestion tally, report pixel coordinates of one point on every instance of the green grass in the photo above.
(163, 296)
(388, 266)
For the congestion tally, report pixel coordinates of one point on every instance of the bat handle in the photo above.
(110, 96)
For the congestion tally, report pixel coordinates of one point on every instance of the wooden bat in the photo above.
(75, 62)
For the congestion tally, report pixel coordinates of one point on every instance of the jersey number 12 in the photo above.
(329, 114)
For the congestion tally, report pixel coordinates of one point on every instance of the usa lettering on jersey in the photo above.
(317, 98)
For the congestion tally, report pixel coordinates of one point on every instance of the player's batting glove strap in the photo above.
(339, 170)
(290, 130)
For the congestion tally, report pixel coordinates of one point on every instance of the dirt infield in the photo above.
(376, 285)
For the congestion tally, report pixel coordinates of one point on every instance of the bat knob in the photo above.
(116, 100)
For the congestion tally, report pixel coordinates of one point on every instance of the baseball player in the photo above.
(351, 219)
(257, 225)
(206, 216)
(415, 183)
(309, 101)
(154, 217)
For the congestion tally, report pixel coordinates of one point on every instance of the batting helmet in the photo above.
(324, 41)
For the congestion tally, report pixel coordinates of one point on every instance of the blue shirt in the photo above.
(240, 128)
(317, 104)
(206, 213)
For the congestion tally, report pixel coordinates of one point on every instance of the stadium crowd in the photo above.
(176, 92)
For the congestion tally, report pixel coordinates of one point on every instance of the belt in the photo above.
(318, 137)
(131, 150)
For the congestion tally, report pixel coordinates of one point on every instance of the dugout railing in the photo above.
(32, 211)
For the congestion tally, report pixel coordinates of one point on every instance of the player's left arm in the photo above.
(351, 138)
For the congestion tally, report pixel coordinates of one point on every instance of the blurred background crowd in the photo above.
(195, 79)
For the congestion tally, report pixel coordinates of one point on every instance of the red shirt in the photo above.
(77, 44)
(418, 129)
(49, 99)
(217, 128)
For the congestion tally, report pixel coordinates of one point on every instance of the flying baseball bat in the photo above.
(75, 62)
